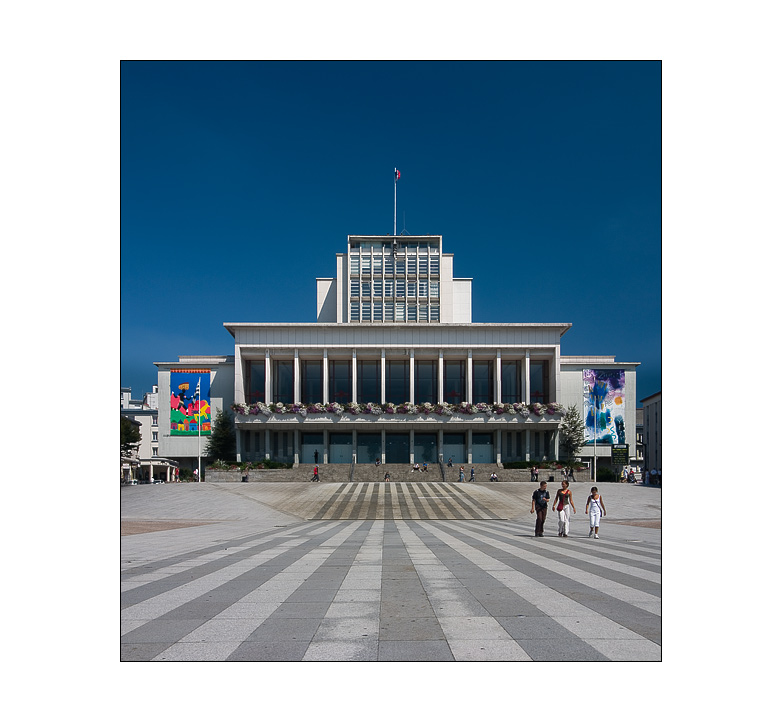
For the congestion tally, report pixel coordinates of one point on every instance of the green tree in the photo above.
(222, 442)
(129, 436)
(571, 433)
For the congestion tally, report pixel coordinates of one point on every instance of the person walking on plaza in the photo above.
(315, 474)
(596, 509)
(564, 502)
(472, 473)
(540, 499)
(461, 473)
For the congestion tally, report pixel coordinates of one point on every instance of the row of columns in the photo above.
(554, 377)
(325, 450)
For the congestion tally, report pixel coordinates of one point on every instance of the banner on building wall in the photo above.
(190, 402)
(604, 405)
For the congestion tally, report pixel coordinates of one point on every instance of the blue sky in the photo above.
(241, 181)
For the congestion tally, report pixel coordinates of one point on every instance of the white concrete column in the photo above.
(440, 378)
(296, 447)
(469, 376)
(412, 447)
(267, 443)
(527, 433)
(555, 378)
(498, 378)
(239, 394)
(469, 446)
(325, 446)
(238, 443)
(498, 445)
(440, 445)
(382, 446)
(296, 377)
(382, 376)
(526, 380)
(267, 391)
(355, 377)
(412, 377)
(325, 376)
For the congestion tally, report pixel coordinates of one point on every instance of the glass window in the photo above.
(354, 311)
(434, 313)
(423, 265)
(368, 381)
(412, 262)
(423, 288)
(340, 382)
(425, 382)
(355, 287)
(377, 288)
(434, 265)
(400, 288)
(255, 380)
(423, 313)
(282, 382)
(411, 289)
(377, 312)
(388, 314)
(366, 311)
(538, 382)
(397, 381)
(377, 264)
(365, 289)
(511, 382)
(354, 265)
(434, 289)
(389, 264)
(311, 382)
(412, 314)
(399, 312)
(389, 289)
(482, 382)
(454, 381)
(400, 266)
(365, 260)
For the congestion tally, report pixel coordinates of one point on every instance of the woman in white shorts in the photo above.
(595, 508)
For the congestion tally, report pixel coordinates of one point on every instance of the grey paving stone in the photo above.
(414, 651)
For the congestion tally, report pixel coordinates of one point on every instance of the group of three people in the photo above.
(563, 502)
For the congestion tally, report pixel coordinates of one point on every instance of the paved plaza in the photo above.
(403, 571)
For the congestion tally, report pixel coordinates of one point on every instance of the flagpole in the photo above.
(198, 421)
(395, 179)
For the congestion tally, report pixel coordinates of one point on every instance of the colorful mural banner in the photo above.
(189, 408)
(604, 405)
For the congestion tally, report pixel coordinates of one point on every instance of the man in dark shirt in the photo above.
(540, 499)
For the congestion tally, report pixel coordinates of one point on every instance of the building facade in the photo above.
(653, 420)
(394, 370)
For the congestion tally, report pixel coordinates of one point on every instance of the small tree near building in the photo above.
(129, 436)
(571, 433)
(222, 442)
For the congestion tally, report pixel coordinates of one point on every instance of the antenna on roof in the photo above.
(397, 176)
(404, 228)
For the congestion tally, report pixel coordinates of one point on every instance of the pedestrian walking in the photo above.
(472, 473)
(596, 509)
(195, 474)
(450, 462)
(564, 502)
(540, 499)
(461, 473)
(315, 474)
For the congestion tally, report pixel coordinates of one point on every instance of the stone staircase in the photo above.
(340, 473)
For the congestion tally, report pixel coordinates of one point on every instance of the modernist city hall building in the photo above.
(394, 369)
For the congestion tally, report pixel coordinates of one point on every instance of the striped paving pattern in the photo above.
(398, 589)
(404, 500)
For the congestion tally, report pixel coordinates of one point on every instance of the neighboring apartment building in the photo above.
(394, 369)
(653, 439)
(148, 464)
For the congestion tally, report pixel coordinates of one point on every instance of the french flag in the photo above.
(397, 174)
